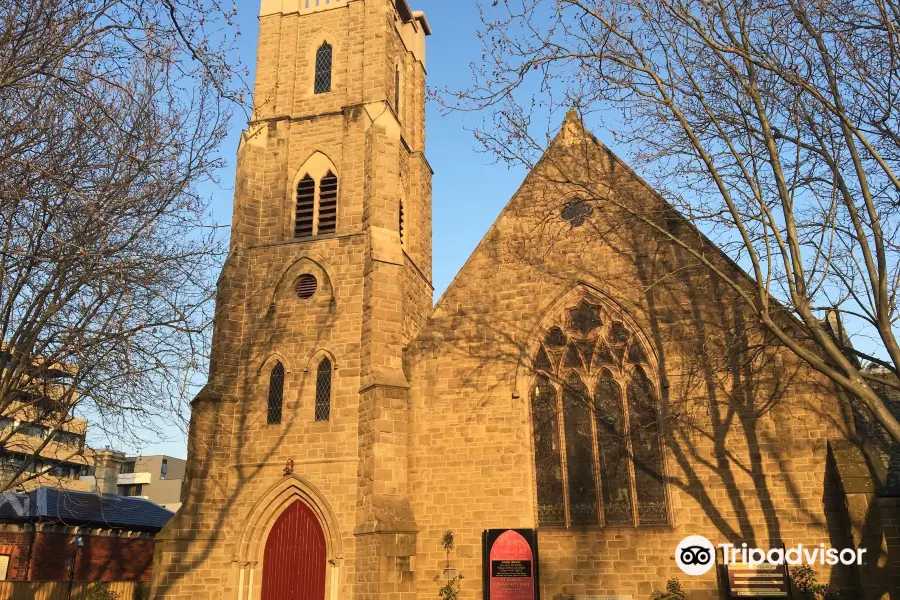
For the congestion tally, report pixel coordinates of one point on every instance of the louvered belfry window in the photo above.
(316, 212)
(596, 424)
(323, 69)
(328, 204)
(276, 394)
(306, 207)
(323, 390)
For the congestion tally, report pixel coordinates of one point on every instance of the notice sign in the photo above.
(510, 564)
(758, 581)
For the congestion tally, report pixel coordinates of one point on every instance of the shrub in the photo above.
(804, 580)
(673, 591)
(101, 591)
(141, 592)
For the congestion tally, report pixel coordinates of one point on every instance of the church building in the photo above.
(582, 378)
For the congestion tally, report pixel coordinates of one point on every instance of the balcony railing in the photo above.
(134, 478)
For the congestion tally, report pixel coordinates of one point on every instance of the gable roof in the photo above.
(102, 511)
(573, 129)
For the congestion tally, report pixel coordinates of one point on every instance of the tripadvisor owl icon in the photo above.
(695, 555)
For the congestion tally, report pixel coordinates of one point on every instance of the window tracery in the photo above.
(596, 423)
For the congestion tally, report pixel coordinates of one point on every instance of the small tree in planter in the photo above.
(450, 589)
(673, 591)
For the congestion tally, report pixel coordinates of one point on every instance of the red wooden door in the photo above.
(294, 563)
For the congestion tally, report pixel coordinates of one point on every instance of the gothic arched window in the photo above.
(397, 90)
(328, 204)
(316, 212)
(306, 207)
(276, 394)
(400, 223)
(595, 414)
(323, 69)
(323, 390)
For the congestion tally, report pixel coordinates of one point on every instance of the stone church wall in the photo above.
(747, 428)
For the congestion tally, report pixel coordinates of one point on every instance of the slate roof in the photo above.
(106, 511)
(888, 451)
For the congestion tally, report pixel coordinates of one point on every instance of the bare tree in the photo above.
(772, 126)
(112, 115)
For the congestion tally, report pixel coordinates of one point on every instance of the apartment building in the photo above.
(155, 478)
(38, 452)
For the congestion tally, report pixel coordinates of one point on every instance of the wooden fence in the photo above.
(59, 590)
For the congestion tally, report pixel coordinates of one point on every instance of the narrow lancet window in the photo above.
(328, 189)
(323, 390)
(276, 394)
(323, 69)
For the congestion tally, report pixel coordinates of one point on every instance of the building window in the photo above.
(67, 438)
(4, 567)
(327, 204)
(126, 468)
(132, 490)
(397, 89)
(323, 390)
(306, 207)
(323, 69)
(38, 431)
(316, 212)
(276, 394)
(596, 425)
(164, 469)
(402, 238)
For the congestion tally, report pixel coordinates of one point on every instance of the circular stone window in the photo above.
(306, 286)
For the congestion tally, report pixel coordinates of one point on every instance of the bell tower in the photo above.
(327, 279)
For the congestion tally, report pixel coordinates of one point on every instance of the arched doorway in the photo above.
(294, 559)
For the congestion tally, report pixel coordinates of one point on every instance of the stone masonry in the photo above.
(430, 426)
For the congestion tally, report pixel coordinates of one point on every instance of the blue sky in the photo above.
(470, 188)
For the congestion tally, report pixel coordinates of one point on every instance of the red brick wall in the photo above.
(103, 558)
(15, 545)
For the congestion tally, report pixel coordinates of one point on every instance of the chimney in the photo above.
(106, 469)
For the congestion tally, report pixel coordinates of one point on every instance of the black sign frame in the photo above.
(488, 537)
(724, 577)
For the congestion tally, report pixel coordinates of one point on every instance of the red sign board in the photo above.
(758, 581)
(511, 569)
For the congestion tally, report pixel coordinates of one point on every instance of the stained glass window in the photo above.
(323, 69)
(579, 453)
(613, 449)
(556, 338)
(276, 394)
(645, 442)
(596, 418)
(551, 510)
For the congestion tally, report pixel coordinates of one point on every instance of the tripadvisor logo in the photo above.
(696, 555)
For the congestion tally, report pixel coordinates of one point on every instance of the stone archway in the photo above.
(274, 510)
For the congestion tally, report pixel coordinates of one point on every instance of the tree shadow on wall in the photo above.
(225, 414)
(741, 418)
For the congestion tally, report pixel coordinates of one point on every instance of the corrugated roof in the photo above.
(107, 511)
